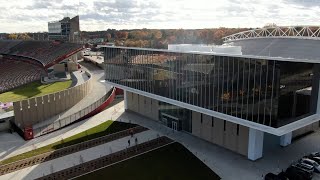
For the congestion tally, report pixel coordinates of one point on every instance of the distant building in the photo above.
(65, 30)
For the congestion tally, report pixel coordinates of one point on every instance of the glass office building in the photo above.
(255, 89)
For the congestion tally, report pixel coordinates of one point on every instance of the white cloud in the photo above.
(33, 15)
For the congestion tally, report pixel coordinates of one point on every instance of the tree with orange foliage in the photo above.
(122, 35)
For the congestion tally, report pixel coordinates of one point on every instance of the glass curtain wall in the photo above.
(253, 89)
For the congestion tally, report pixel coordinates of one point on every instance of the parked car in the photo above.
(296, 173)
(310, 162)
(315, 158)
(283, 176)
(271, 176)
(315, 154)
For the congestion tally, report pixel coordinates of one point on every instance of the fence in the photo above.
(34, 110)
(24, 163)
(76, 116)
(110, 159)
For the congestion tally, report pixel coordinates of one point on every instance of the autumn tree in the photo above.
(156, 34)
(122, 35)
(12, 36)
(139, 34)
(24, 36)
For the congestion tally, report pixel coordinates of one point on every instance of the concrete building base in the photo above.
(285, 140)
(255, 145)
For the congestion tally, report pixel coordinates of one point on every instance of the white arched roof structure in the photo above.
(300, 32)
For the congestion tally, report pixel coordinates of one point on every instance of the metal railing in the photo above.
(39, 131)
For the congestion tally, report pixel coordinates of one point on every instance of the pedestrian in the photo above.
(131, 132)
(136, 140)
(129, 142)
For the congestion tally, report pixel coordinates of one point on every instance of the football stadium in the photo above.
(47, 81)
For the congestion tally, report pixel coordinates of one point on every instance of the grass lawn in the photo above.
(168, 163)
(33, 89)
(105, 128)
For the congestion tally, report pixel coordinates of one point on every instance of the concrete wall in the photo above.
(59, 68)
(232, 137)
(81, 114)
(143, 105)
(220, 132)
(34, 110)
(72, 66)
(306, 129)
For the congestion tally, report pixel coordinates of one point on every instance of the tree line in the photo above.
(160, 38)
(148, 38)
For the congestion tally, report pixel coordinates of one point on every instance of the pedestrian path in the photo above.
(13, 144)
(47, 156)
(227, 164)
(109, 160)
(98, 91)
(79, 78)
(80, 157)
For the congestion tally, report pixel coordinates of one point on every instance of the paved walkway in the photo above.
(13, 144)
(80, 77)
(225, 163)
(80, 157)
(98, 91)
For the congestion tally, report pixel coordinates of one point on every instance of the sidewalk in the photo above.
(80, 77)
(13, 144)
(80, 157)
(230, 165)
(225, 163)
(99, 90)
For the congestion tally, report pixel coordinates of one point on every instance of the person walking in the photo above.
(136, 140)
(131, 132)
(129, 142)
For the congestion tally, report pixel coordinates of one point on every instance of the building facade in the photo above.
(67, 29)
(234, 101)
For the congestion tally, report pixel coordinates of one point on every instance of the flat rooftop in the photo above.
(218, 54)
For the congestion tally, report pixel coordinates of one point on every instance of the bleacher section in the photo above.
(5, 45)
(280, 47)
(46, 52)
(14, 73)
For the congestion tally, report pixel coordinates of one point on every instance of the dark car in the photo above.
(310, 162)
(315, 154)
(315, 158)
(283, 176)
(299, 172)
(296, 174)
(280, 176)
(304, 166)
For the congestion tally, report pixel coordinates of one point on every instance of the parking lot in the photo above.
(281, 158)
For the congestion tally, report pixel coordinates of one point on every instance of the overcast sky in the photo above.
(33, 15)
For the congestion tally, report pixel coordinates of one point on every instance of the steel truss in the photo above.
(300, 32)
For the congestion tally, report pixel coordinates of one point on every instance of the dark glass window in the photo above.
(269, 92)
